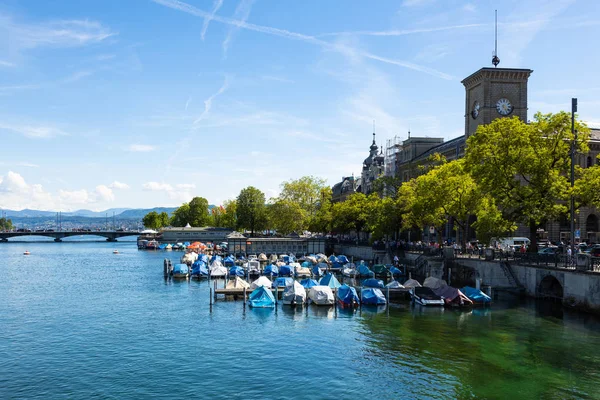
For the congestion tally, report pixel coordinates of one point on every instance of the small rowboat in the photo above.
(115, 251)
(26, 253)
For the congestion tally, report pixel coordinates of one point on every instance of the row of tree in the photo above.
(512, 173)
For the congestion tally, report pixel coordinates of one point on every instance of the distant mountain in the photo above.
(120, 213)
(97, 214)
(139, 213)
(27, 213)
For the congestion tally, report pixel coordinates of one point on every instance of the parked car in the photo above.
(549, 251)
(595, 251)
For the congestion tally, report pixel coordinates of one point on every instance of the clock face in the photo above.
(475, 110)
(504, 107)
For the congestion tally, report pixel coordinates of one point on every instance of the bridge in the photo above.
(111, 236)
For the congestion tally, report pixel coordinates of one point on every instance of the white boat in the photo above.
(217, 270)
(115, 251)
(237, 283)
(252, 267)
(302, 272)
(424, 296)
(262, 281)
(26, 253)
(349, 270)
(294, 294)
(321, 295)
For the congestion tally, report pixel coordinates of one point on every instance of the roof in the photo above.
(595, 134)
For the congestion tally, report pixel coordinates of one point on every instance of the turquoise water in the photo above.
(77, 321)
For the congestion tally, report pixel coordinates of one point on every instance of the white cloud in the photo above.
(32, 131)
(157, 187)
(185, 186)
(7, 64)
(118, 185)
(208, 102)
(141, 148)
(13, 182)
(57, 33)
(242, 12)
(105, 193)
(216, 5)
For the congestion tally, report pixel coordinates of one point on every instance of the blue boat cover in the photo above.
(286, 270)
(363, 270)
(395, 271)
(306, 264)
(229, 261)
(261, 297)
(288, 259)
(476, 295)
(203, 257)
(373, 296)
(347, 295)
(343, 259)
(215, 258)
(162, 246)
(242, 258)
(199, 268)
(330, 280)
(186, 244)
(317, 271)
(308, 283)
(271, 269)
(237, 271)
(180, 269)
(282, 282)
(333, 258)
(373, 283)
(337, 265)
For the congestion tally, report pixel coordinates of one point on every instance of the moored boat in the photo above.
(307, 283)
(476, 296)
(261, 297)
(373, 283)
(271, 270)
(282, 282)
(347, 296)
(261, 281)
(321, 295)
(286, 270)
(330, 280)
(181, 271)
(217, 270)
(373, 297)
(237, 283)
(237, 271)
(425, 296)
(199, 270)
(294, 294)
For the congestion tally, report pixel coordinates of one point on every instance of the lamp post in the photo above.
(573, 150)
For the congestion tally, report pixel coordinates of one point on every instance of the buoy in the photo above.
(26, 253)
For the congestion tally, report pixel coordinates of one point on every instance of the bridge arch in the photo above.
(550, 287)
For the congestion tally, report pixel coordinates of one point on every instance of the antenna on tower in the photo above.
(495, 59)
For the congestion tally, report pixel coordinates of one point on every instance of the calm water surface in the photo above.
(77, 321)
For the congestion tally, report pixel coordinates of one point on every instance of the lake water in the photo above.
(77, 321)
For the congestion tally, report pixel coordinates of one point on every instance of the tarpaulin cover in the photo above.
(333, 258)
(317, 271)
(199, 268)
(343, 259)
(261, 297)
(308, 283)
(307, 264)
(236, 271)
(286, 270)
(288, 259)
(189, 258)
(237, 283)
(434, 283)
(380, 269)
(476, 295)
(215, 257)
(271, 269)
(217, 269)
(411, 283)
(229, 261)
(301, 271)
(330, 280)
(395, 285)
(311, 259)
(294, 294)
(180, 269)
(262, 281)
(204, 258)
(252, 265)
(282, 282)
(363, 270)
(262, 257)
(373, 283)
(336, 265)
(373, 296)
(347, 295)
(451, 294)
(321, 295)
(396, 272)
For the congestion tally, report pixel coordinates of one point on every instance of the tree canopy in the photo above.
(305, 192)
(6, 224)
(525, 167)
(154, 220)
(194, 213)
(250, 209)
(286, 216)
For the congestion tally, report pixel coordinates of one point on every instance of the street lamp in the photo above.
(573, 150)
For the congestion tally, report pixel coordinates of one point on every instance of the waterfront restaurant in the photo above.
(190, 234)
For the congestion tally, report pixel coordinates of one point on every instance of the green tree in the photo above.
(230, 216)
(387, 186)
(6, 224)
(305, 192)
(151, 220)
(181, 215)
(321, 220)
(351, 215)
(385, 216)
(525, 167)
(587, 187)
(251, 210)
(198, 213)
(163, 219)
(286, 216)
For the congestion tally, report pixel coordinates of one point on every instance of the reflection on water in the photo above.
(85, 322)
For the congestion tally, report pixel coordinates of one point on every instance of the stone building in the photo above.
(373, 168)
(341, 190)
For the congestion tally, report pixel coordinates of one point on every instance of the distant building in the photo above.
(373, 168)
(341, 190)
(189, 234)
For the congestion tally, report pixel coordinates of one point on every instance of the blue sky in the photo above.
(148, 103)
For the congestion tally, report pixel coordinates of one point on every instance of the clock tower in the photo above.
(495, 93)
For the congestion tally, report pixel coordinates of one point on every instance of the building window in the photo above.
(590, 161)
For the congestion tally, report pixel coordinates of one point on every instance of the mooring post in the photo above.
(276, 294)
(360, 297)
(215, 291)
(211, 297)
(244, 297)
(410, 275)
(387, 295)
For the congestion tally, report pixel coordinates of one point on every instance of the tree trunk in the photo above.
(532, 236)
